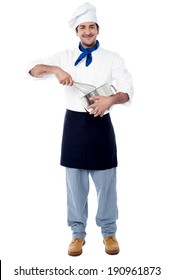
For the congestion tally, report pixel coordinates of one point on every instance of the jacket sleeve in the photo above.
(122, 77)
(53, 60)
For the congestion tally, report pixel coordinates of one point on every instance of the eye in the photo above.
(81, 27)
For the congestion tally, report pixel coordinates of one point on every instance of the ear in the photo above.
(98, 30)
(76, 30)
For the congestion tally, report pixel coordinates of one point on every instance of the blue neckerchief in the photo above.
(86, 53)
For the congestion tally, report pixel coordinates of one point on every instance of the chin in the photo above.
(88, 44)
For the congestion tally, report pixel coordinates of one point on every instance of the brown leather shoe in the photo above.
(111, 245)
(75, 247)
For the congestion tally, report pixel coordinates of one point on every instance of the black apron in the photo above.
(88, 142)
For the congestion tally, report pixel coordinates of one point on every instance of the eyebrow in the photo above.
(83, 25)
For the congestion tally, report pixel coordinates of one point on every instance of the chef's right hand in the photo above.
(63, 77)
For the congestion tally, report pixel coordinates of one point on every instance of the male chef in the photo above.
(88, 141)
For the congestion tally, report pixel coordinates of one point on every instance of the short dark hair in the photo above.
(95, 24)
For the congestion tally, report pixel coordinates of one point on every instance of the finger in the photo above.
(71, 83)
(94, 111)
(93, 106)
(68, 82)
(99, 113)
(94, 98)
(96, 115)
(63, 82)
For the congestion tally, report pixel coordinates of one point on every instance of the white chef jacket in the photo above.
(106, 67)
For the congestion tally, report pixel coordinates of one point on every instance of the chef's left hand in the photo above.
(102, 103)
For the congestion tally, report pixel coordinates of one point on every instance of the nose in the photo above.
(87, 31)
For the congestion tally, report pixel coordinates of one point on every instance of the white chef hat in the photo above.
(84, 13)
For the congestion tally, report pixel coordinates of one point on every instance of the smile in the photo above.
(90, 35)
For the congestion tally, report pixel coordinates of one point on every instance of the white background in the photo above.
(33, 230)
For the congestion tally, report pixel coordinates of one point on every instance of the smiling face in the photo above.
(87, 32)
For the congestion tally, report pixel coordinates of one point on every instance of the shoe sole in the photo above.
(75, 254)
(112, 252)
